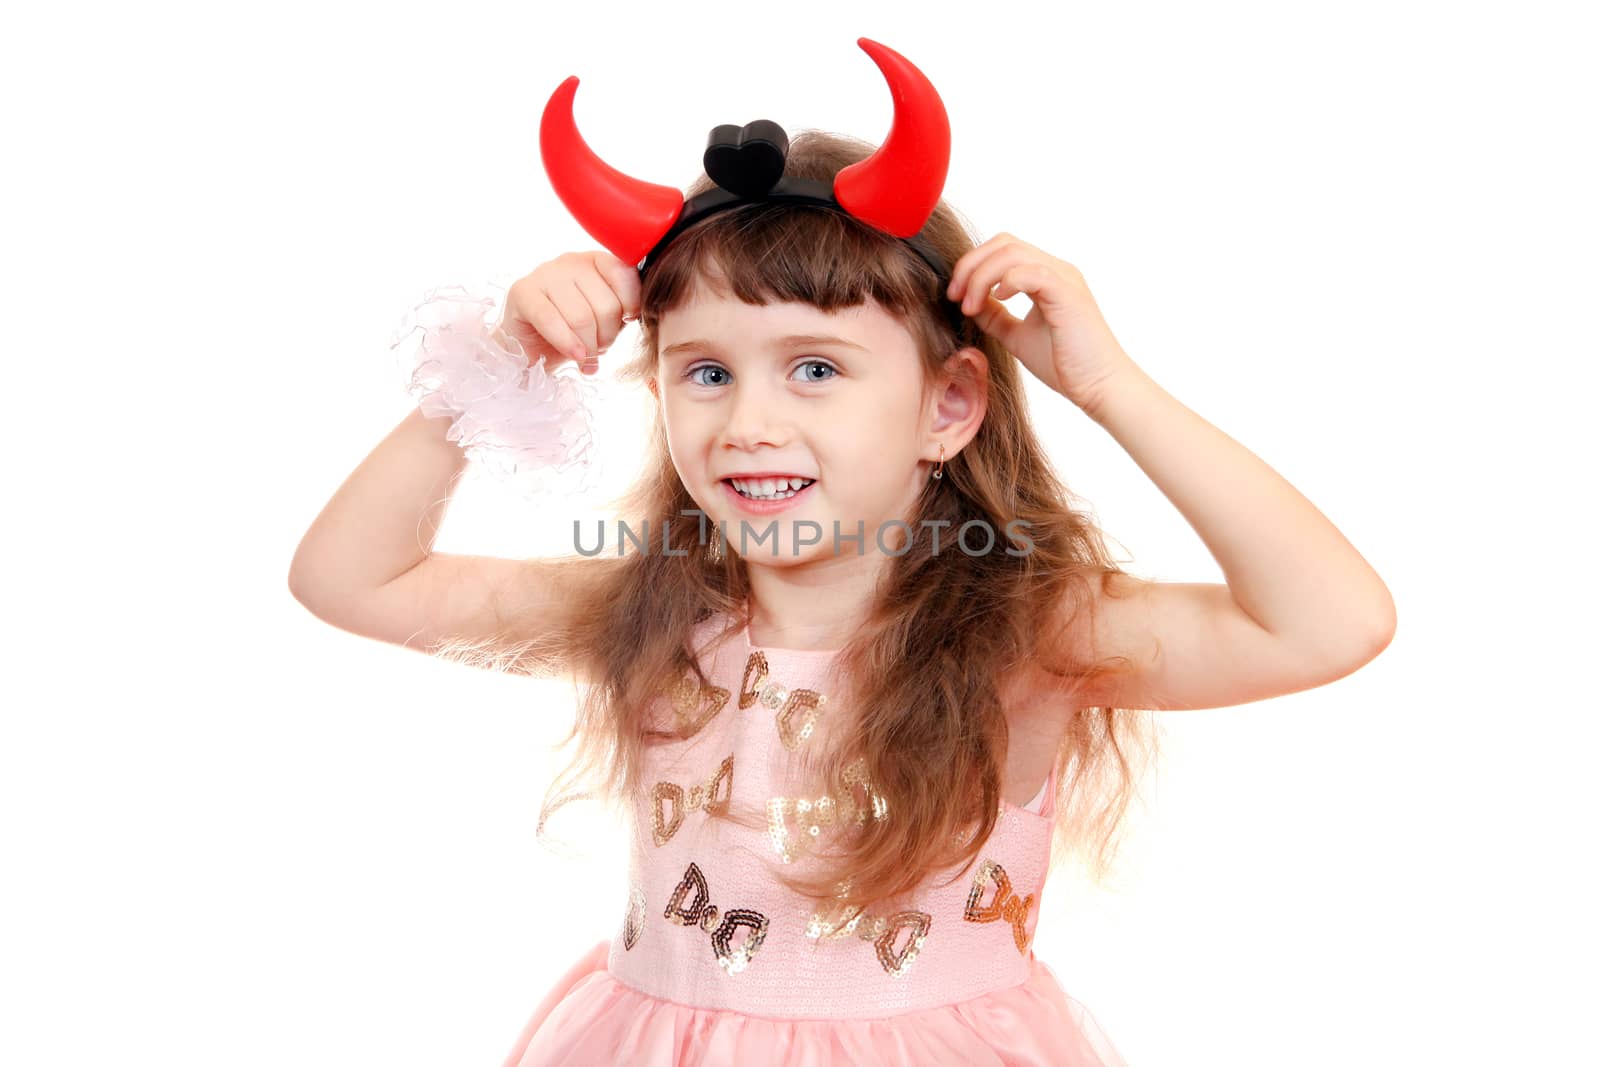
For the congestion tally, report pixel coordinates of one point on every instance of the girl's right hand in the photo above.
(572, 307)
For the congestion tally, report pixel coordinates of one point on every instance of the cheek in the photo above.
(871, 472)
(682, 432)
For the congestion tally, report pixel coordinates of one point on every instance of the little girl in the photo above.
(865, 675)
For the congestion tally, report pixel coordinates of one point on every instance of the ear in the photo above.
(960, 399)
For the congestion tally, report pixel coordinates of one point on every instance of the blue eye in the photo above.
(692, 371)
(819, 363)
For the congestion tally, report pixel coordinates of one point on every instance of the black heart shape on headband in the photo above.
(747, 160)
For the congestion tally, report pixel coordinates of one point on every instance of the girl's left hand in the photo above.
(1064, 341)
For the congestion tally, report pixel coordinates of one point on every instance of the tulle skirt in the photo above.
(592, 1018)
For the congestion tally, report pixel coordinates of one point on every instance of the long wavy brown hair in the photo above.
(926, 670)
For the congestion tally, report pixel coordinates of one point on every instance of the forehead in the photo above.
(726, 321)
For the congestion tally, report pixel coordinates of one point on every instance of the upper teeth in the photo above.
(769, 486)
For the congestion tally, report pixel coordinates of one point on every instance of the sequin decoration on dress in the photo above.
(760, 685)
(812, 814)
(633, 922)
(702, 913)
(1003, 905)
(882, 932)
(701, 795)
(694, 705)
(717, 961)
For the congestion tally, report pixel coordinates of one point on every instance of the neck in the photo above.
(815, 606)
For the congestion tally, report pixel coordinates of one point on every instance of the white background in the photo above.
(1360, 238)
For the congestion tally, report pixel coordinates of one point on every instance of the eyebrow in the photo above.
(794, 340)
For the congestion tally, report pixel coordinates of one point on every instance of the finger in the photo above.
(540, 312)
(996, 320)
(988, 273)
(517, 318)
(961, 275)
(605, 305)
(624, 281)
(576, 313)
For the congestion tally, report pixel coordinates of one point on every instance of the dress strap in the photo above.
(1041, 800)
(1048, 808)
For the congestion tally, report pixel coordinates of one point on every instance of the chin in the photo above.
(781, 561)
(783, 554)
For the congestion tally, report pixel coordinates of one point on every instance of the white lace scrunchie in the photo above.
(524, 423)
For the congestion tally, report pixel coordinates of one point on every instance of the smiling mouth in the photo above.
(789, 489)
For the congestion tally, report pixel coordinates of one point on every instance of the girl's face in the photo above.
(787, 390)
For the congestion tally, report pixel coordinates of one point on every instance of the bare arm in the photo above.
(367, 563)
(383, 520)
(1301, 607)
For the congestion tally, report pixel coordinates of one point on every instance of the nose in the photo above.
(756, 417)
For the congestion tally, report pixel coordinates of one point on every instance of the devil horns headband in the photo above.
(893, 190)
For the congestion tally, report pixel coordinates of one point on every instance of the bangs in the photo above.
(790, 253)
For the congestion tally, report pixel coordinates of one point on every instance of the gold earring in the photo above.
(714, 552)
(938, 472)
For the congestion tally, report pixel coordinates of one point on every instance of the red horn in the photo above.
(627, 216)
(897, 187)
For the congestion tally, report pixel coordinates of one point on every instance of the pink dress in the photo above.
(712, 963)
